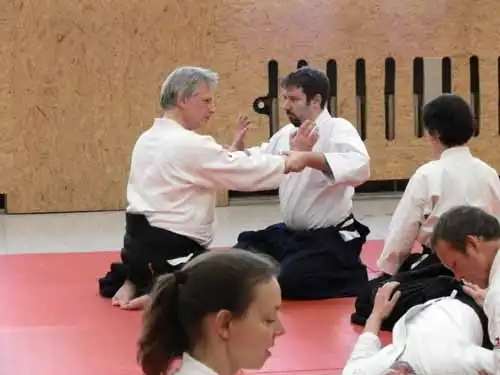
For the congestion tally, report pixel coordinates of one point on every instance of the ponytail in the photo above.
(213, 281)
(163, 337)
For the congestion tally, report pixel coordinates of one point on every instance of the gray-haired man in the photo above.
(171, 192)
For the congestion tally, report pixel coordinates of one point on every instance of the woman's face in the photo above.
(251, 337)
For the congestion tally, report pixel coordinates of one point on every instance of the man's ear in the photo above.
(472, 243)
(317, 99)
(181, 103)
(222, 323)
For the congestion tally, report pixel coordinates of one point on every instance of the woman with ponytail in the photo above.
(219, 314)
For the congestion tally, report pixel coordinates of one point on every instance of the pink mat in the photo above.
(54, 323)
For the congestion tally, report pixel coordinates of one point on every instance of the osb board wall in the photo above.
(83, 79)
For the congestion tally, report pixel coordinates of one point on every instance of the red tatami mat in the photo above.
(52, 322)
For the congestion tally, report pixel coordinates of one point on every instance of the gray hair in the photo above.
(183, 82)
(459, 222)
(400, 368)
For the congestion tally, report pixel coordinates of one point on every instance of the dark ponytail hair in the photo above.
(163, 338)
(213, 281)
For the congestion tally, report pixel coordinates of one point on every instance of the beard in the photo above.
(294, 119)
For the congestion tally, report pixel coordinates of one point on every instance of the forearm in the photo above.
(317, 160)
(373, 324)
(403, 229)
(397, 247)
(238, 171)
(238, 145)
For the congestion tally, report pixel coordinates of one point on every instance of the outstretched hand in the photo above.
(305, 137)
(243, 125)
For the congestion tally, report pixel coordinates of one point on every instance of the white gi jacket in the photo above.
(492, 309)
(191, 366)
(175, 174)
(311, 199)
(456, 178)
(442, 336)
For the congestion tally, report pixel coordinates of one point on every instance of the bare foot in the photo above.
(138, 303)
(124, 295)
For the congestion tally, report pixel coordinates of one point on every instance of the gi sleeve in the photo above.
(404, 226)
(363, 359)
(270, 147)
(208, 164)
(346, 155)
(492, 311)
(495, 187)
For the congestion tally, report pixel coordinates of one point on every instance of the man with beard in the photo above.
(319, 241)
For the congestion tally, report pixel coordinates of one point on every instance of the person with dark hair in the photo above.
(455, 178)
(219, 314)
(319, 242)
(171, 191)
(440, 336)
(467, 241)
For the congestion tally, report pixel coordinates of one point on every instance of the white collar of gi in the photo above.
(191, 365)
(322, 117)
(166, 121)
(454, 151)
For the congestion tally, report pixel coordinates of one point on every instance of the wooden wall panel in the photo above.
(486, 145)
(373, 30)
(84, 81)
(83, 78)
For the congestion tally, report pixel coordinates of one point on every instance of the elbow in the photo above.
(365, 171)
(365, 175)
(361, 176)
